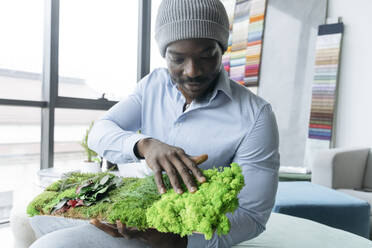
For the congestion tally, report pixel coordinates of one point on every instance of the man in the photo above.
(190, 108)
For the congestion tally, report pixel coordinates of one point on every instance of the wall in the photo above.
(287, 70)
(354, 113)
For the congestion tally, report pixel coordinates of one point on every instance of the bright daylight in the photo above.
(185, 123)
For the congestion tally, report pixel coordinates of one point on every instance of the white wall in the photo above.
(354, 113)
(287, 69)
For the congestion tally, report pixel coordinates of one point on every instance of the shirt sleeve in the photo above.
(259, 158)
(116, 133)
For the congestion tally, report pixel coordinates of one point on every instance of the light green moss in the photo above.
(137, 203)
(36, 206)
(204, 211)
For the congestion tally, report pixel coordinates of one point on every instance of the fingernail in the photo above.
(193, 189)
(179, 191)
(203, 179)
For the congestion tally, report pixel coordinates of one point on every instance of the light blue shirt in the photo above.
(230, 125)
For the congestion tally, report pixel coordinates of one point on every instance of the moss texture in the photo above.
(137, 203)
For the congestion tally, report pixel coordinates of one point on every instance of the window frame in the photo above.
(50, 99)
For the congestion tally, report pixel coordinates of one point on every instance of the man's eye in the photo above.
(177, 60)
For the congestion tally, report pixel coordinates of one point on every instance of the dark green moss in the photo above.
(137, 203)
(72, 180)
(37, 205)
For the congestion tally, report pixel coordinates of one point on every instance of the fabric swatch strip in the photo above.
(242, 59)
(230, 9)
(325, 82)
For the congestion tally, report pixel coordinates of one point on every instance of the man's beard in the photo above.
(211, 81)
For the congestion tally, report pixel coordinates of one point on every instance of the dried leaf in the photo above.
(83, 186)
(104, 180)
(60, 204)
(90, 192)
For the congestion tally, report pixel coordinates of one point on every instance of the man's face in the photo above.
(194, 65)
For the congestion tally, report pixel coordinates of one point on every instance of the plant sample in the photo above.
(137, 203)
(91, 155)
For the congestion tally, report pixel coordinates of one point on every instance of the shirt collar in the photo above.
(223, 84)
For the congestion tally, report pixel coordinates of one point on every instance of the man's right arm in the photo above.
(116, 133)
(115, 137)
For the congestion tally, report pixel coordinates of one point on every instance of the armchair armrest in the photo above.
(340, 168)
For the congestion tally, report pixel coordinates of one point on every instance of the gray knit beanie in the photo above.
(188, 19)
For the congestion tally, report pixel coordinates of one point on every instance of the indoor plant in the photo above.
(93, 161)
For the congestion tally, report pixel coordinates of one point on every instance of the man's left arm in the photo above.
(259, 158)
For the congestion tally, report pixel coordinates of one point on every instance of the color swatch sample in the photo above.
(325, 81)
(230, 9)
(242, 60)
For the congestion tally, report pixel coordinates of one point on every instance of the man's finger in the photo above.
(183, 171)
(200, 159)
(105, 227)
(158, 176)
(121, 230)
(192, 163)
(172, 175)
(127, 232)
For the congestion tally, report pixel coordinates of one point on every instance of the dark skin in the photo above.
(151, 236)
(193, 65)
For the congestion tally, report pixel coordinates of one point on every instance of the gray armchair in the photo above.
(346, 170)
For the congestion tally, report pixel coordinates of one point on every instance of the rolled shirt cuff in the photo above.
(129, 143)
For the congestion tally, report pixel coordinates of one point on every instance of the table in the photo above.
(323, 205)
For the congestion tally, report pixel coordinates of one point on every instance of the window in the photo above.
(21, 49)
(97, 55)
(70, 128)
(98, 48)
(19, 151)
(156, 59)
(21, 54)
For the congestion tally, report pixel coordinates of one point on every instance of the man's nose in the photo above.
(192, 69)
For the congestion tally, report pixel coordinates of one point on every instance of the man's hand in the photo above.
(150, 236)
(174, 161)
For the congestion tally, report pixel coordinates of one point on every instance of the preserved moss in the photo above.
(137, 202)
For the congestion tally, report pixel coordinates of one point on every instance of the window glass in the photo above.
(21, 49)
(69, 131)
(19, 152)
(156, 60)
(98, 48)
